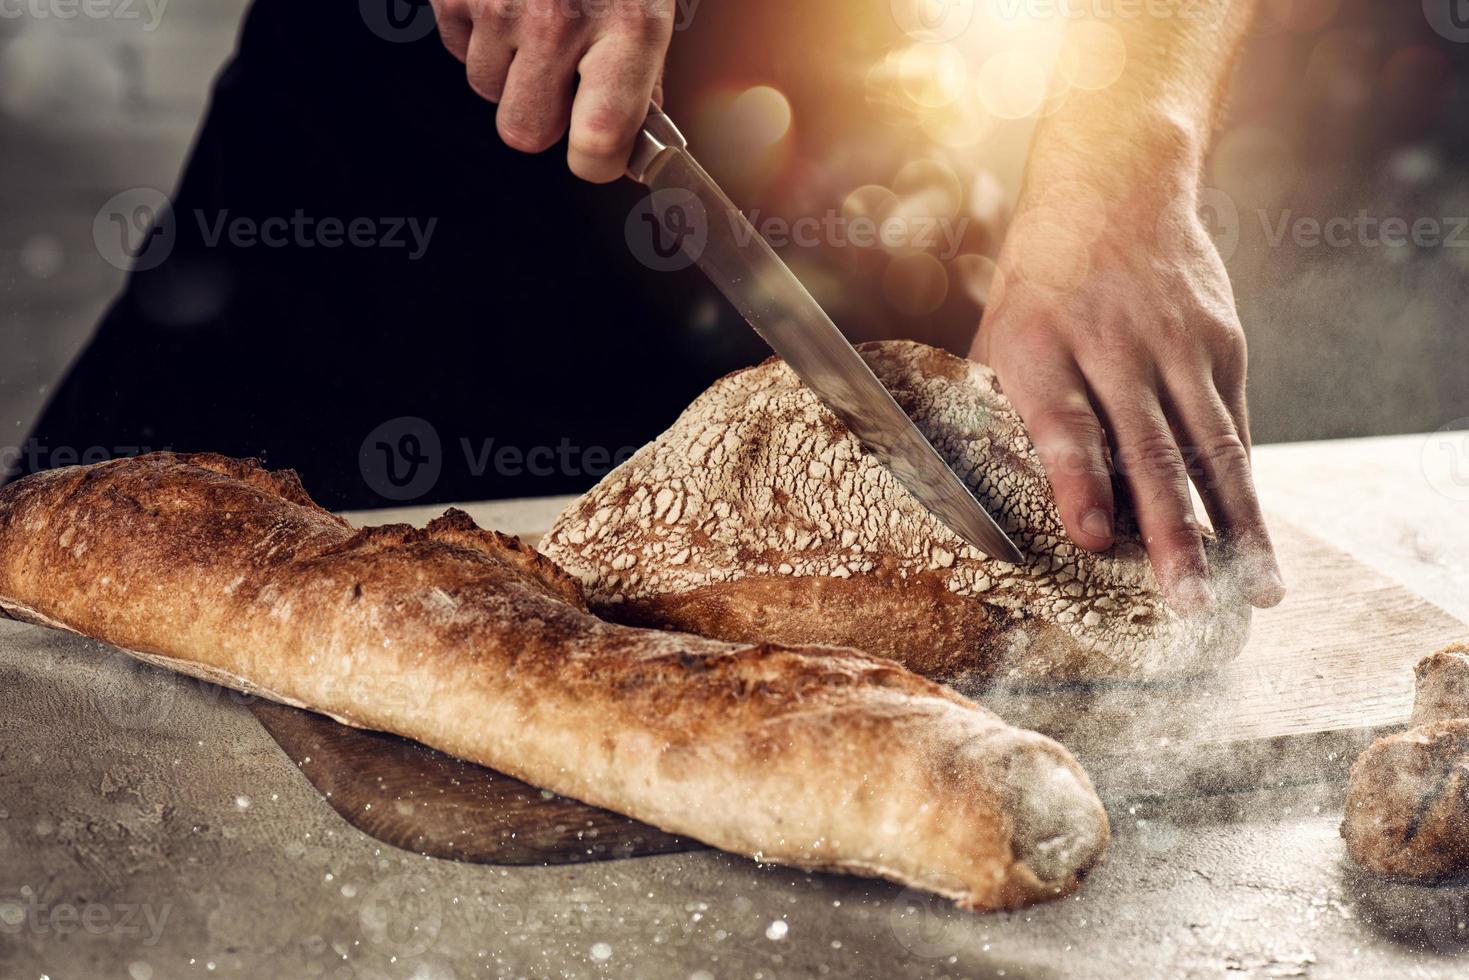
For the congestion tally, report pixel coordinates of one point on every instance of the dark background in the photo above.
(1337, 108)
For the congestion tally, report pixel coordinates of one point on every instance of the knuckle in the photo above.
(455, 10)
(1151, 455)
(1075, 420)
(1183, 537)
(547, 28)
(605, 135)
(646, 20)
(1218, 461)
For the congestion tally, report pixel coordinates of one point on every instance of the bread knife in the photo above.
(721, 241)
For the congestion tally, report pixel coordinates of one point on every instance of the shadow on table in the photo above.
(1430, 918)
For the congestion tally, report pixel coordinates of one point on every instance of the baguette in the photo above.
(471, 642)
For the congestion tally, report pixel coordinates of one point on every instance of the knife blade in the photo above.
(717, 237)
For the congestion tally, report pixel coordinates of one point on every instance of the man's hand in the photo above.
(1130, 341)
(1111, 323)
(526, 56)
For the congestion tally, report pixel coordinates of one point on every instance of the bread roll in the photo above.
(1442, 690)
(470, 642)
(1407, 812)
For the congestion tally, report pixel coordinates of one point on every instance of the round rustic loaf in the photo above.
(758, 516)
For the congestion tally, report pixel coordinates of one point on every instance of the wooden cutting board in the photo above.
(1323, 674)
(424, 801)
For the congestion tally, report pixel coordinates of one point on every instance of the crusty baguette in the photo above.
(470, 642)
(1407, 811)
(757, 515)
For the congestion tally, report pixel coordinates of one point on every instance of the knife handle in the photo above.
(658, 133)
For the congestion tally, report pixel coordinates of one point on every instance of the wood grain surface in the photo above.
(1323, 674)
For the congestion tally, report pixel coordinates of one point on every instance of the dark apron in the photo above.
(359, 281)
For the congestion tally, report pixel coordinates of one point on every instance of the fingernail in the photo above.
(1098, 523)
(1270, 589)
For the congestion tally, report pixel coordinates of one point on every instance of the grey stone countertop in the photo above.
(150, 829)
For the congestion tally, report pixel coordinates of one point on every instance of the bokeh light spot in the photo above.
(915, 284)
(761, 115)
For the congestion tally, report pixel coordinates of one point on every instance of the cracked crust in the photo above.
(471, 642)
(758, 516)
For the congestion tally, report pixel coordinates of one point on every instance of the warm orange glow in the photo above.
(927, 189)
(932, 75)
(987, 199)
(915, 284)
(976, 276)
(761, 115)
(1092, 56)
(1012, 84)
(871, 201)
